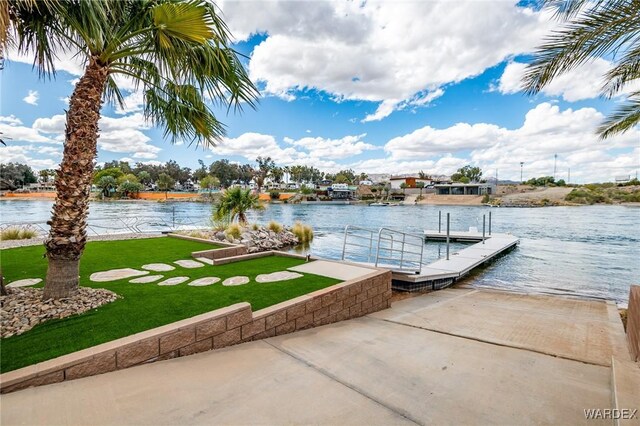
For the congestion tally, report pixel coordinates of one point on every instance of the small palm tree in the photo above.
(165, 183)
(421, 186)
(602, 28)
(175, 51)
(236, 202)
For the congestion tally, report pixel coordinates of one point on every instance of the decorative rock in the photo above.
(23, 308)
(25, 283)
(174, 281)
(239, 280)
(277, 276)
(200, 282)
(147, 279)
(158, 267)
(188, 263)
(205, 260)
(116, 274)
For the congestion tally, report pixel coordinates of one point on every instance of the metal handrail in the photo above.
(388, 234)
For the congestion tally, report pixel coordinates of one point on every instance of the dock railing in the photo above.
(387, 248)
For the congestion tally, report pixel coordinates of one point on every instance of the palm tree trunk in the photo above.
(68, 235)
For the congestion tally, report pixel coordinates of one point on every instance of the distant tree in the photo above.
(224, 171)
(129, 188)
(209, 182)
(144, 177)
(404, 186)
(423, 175)
(201, 172)
(115, 164)
(421, 186)
(345, 176)
(277, 173)
(18, 174)
(107, 184)
(46, 175)
(265, 165)
(245, 173)
(165, 183)
(561, 182)
(473, 174)
(363, 176)
(114, 172)
(235, 203)
(129, 177)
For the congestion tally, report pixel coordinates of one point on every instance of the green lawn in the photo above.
(143, 306)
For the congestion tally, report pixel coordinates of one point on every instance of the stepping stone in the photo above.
(188, 263)
(116, 274)
(25, 283)
(158, 267)
(235, 281)
(174, 281)
(200, 282)
(277, 276)
(205, 260)
(147, 279)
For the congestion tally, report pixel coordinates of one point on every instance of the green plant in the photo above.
(255, 227)
(165, 183)
(593, 29)
(220, 223)
(274, 195)
(274, 226)
(486, 198)
(107, 184)
(177, 52)
(17, 233)
(234, 231)
(127, 189)
(303, 232)
(236, 202)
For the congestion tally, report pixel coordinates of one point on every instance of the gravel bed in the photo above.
(105, 237)
(23, 308)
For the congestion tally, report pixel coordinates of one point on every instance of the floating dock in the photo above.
(442, 273)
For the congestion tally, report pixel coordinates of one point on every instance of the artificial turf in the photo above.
(142, 306)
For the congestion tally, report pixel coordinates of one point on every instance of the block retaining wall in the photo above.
(633, 322)
(213, 330)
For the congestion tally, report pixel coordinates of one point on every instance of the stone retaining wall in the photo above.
(213, 330)
(633, 322)
(228, 249)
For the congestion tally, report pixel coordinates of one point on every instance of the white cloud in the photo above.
(13, 130)
(332, 149)
(32, 97)
(583, 82)
(547, 130)
(381, 51)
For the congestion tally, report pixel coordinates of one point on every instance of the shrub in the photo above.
(220, 223)
(234, 231)
(18, 233)
(255, 227)
(303, 232)
(275, 227)
(486, 198)
(275, 195)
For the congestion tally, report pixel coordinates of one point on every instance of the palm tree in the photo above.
(236, 202)
(165, 183)
(175, 51)
(593, 29)
(421, 186)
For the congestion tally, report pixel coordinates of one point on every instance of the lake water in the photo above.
(587, 251)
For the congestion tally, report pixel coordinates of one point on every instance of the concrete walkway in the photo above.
(458, 356)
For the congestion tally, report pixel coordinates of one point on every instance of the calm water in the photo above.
(587, 251)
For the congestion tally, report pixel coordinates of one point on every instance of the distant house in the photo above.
(340, 191)
(365, 182)
(457, 188)
(324, 184)
(410, 181)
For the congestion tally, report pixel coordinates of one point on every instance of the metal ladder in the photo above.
(388, 248)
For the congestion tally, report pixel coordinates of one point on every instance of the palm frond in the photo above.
(624, 118)
(595, 33)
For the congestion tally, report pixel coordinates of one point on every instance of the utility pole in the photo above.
(555, 162)
(521, 166)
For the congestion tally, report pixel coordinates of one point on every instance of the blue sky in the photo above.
(379, 87)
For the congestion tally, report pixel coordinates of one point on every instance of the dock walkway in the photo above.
(443, 272)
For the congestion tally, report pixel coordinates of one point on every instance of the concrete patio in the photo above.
(457, 356)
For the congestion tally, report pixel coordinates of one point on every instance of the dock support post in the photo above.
(489, 222)
(448, 236)
(439, 221)
(484, 224)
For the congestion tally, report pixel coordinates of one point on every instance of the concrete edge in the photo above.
(203, 240)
